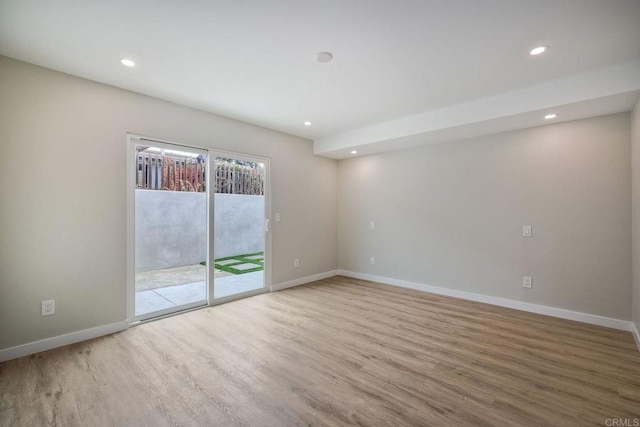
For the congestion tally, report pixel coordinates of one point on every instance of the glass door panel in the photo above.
(240, 233)
(171, 222)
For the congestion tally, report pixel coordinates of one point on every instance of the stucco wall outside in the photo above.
(238, 224)
(171, 227)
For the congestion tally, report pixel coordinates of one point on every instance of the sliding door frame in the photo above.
(133, 141)
(211, 154)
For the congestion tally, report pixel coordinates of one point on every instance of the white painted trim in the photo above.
(61, 340)
(502, 302)
(303, 280)
(636, 334)
(131, 224)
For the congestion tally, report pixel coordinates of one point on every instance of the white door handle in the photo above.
(266, 225)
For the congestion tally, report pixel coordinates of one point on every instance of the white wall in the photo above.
(63, 198)
(635, 163)
(451, 215)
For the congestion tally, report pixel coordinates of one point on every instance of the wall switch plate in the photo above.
(372, 225)
(373, 260)
(526, 282)
(277, 216)
(526, 231)
(296, 263)
(48, 307)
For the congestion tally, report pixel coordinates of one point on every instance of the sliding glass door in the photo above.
(198, 229)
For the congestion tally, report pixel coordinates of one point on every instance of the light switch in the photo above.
(526, 231)
(277, 216)
(372, 225)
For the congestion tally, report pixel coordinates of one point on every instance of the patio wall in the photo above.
(239, 224)
(171, 227)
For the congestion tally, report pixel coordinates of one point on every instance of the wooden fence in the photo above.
(235, 178)
(172, 173)
(177, 173)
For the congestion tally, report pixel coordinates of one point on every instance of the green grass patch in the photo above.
(256, 259)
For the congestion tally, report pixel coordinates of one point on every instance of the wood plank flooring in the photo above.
(335, 352)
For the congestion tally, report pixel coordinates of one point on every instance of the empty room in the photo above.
(320, 213)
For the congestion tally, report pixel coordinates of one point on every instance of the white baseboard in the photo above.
(87, 334)
(502, 302)
(636, 334)
(61, 340)
(303, 280)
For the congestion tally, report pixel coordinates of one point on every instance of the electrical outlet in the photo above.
(48, 307)
(526, 231)
(373, 260)
(296, 263)
(526, 282)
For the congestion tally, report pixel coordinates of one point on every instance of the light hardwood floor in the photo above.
(336, 352)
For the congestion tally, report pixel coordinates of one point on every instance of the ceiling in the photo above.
(404, 73)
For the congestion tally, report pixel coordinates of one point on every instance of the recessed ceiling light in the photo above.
(354, 152)
(324, 57)
(127, 62)
(307, 123)
(550, 116)
(538, 50)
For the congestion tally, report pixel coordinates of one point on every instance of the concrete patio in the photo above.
(163, 289)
